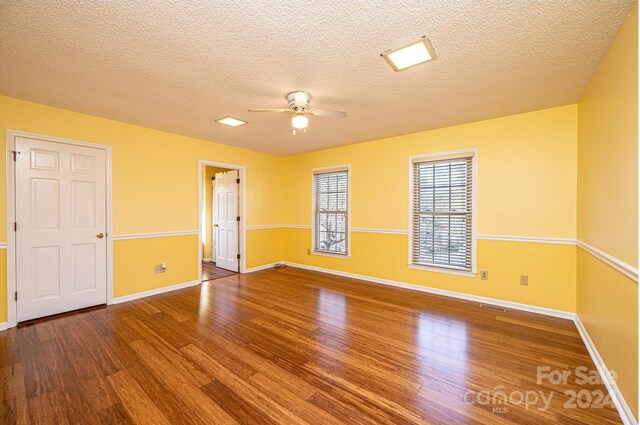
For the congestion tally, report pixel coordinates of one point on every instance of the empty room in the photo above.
(296, 212)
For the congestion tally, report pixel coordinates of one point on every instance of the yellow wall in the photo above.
(526, 174)
(607, 300)
(155, 189)
(134, 276)
(608, 308)
(510, 202)
(526, 187)
(551, 268)
(207, 193)
(608, 150)
(265, 246)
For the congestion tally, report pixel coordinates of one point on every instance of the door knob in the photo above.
(100, 235)
(215, 225)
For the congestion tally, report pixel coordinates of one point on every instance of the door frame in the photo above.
(242, 237)
(12, 284)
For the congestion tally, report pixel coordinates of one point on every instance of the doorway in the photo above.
(221, 221)
(59, 246)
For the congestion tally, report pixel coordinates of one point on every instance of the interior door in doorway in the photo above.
(61, 251)
(227, 224)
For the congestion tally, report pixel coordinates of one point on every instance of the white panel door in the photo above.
(226, 225)
(61, 250)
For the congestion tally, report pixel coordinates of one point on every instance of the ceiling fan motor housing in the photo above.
(298, 100)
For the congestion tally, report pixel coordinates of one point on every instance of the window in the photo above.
(331, 210)
(442, 211)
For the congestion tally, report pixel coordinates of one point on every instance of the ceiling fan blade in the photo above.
(268, 110)
(325, 113)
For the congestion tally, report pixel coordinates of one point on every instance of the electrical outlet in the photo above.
(161, 268)
(524, 280)
(308, 251)
(484, 275)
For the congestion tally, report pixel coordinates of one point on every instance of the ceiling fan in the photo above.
(299, 107)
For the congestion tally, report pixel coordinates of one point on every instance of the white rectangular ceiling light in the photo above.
(230, 121)
(407, 56)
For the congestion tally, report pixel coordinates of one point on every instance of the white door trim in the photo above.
(12, 305)
(242, 208)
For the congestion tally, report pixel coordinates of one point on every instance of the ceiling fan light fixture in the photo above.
(299, 121)
(410, 55)
(298, 106)
(230, 121)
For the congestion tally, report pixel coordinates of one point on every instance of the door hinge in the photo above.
(15, 296)
(238, 256)
(15, 226)
(238, 181)
(238, 218)
(15, 153)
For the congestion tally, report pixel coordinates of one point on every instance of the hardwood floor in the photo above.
(292, 347)
(211, 272)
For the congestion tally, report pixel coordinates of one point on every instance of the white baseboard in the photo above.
(476, 298)
(3, 326)
(155, 292)
(614, 392)
(207, 260)
(262, 267)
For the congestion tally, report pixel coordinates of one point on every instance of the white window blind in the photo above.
(442, 213)
(330, 212)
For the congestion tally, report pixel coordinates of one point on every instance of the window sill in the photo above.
(443, 270)
(328, 254)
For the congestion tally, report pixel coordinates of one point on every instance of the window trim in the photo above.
(323, 170)
(443, 156)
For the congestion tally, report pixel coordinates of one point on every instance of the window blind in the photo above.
(330, 233)
(442, 222)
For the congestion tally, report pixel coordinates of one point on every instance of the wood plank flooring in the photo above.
(290, 346)
(211, 272)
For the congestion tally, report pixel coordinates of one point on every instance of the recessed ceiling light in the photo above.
(230, 121)
(413, 54)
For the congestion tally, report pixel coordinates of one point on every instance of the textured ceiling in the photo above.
(178, 65)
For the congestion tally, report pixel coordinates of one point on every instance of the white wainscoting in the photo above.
(153, 235)
(266, 226)
(612, 261)
(530, 239)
